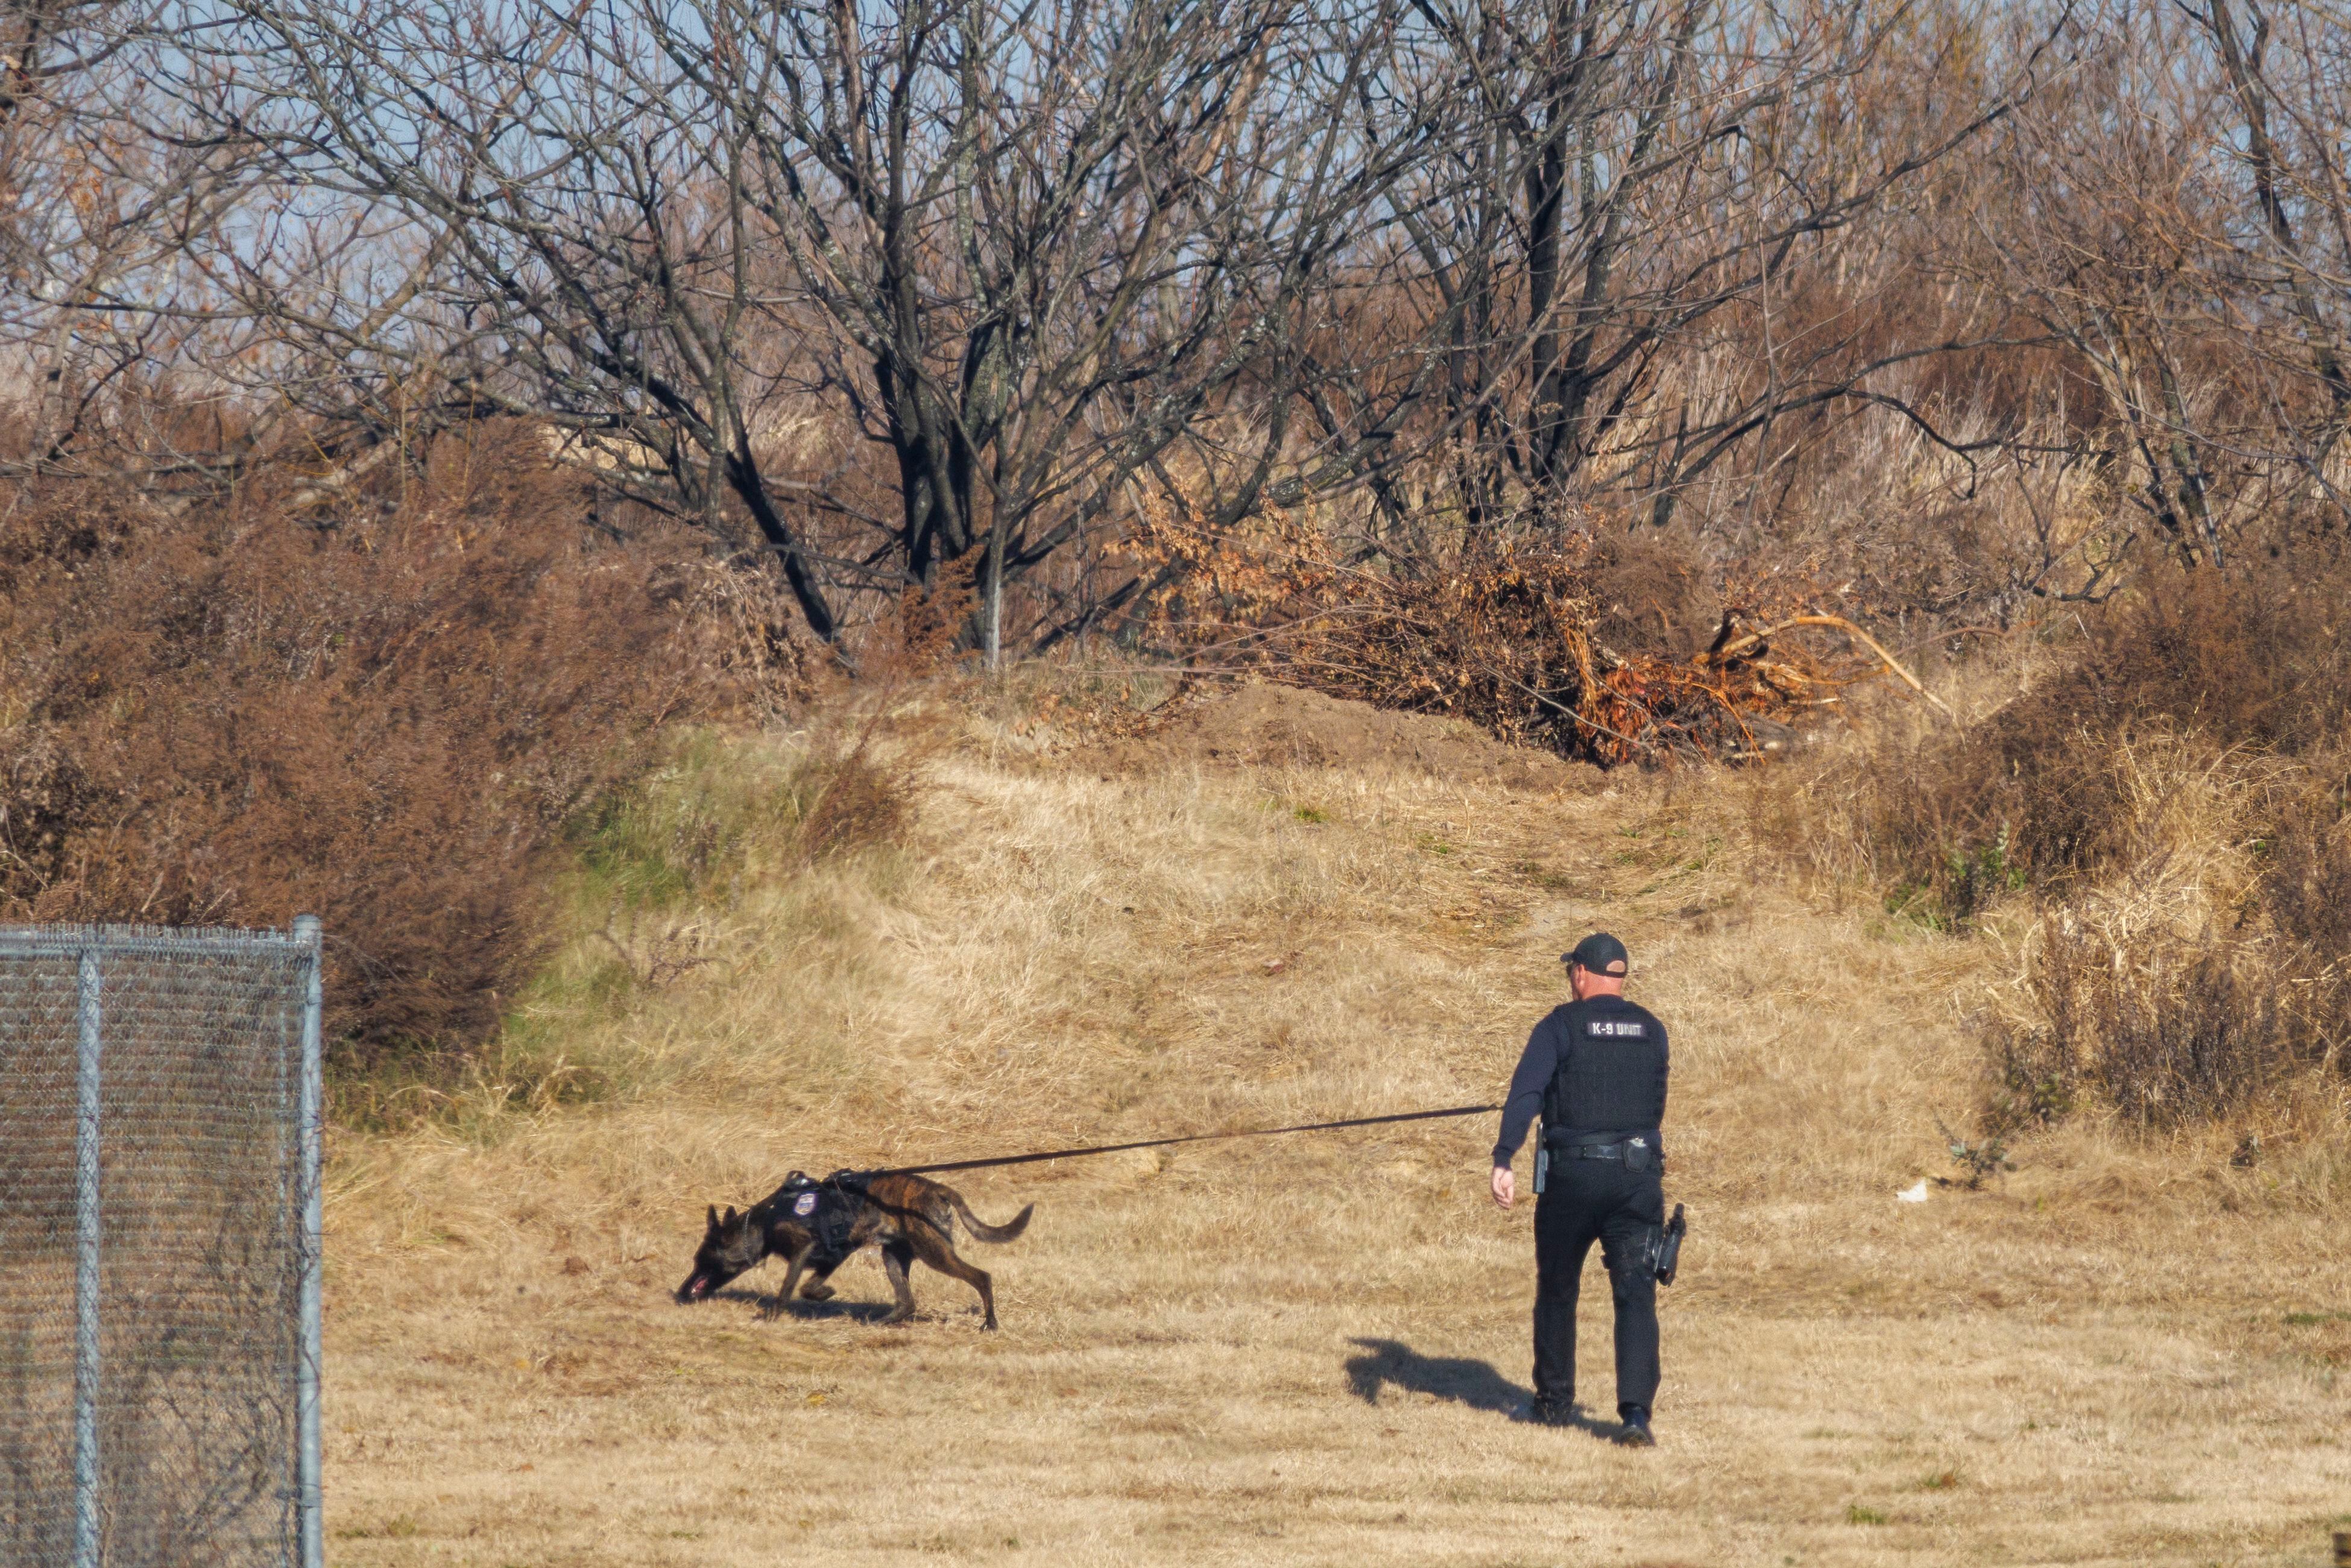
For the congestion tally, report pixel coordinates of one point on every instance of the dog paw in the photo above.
(814, 1292)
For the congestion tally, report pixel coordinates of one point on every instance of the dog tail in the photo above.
(981, 1230)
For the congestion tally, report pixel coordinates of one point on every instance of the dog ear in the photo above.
(730, 1215)
(714, 1216)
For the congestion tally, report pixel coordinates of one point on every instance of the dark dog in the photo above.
(817, 1226)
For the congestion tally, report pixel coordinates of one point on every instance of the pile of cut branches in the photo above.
(1506, 640)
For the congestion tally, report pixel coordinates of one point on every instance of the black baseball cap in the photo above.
(1599, 953)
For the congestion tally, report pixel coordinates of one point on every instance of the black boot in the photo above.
(1549, 1412)
(1636, 1433)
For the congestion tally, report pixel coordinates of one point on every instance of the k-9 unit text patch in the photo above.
(1617, 1029)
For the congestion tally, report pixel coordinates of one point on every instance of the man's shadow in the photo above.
(1387, 1362)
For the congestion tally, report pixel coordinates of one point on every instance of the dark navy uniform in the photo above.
(1596, 1070)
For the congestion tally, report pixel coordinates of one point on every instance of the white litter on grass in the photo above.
(1913, 1193)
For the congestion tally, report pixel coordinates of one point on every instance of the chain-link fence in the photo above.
(159, 1247)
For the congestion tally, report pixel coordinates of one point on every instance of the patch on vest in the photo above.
(806, 1204)
(839, 1201)
(1617, 1029)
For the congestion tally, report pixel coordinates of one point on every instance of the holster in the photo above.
(1542, 1167)
(1669, 1245)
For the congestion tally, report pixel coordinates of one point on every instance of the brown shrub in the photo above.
(2209, 973)
(2305, 891)
(2256, 655)
(235, 715)
(849, 802)
(2163, 1031)
(2173, 798)
(2040, 794)
(1507, 636)
(1652, 597)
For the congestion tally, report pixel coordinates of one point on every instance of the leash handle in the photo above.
(1188, 1138)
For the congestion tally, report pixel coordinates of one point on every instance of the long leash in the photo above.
(1189, 1138)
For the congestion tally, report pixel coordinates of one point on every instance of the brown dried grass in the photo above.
(2208, 979)
(2048, 788)
(1307, 1349)
(2152, 816)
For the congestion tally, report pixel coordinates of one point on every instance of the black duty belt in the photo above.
(1601, 1146)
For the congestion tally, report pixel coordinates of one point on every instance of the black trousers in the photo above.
(1586, 1201)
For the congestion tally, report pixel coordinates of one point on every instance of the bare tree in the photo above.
(1026, 253)
(2174, 216)
(934, 297)
(2291, 238)
(1616, 243)
(94, 220)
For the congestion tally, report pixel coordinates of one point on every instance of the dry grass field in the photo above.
(1309, 1350)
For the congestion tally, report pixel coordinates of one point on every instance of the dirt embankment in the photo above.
(1312, 1348)
(1257, 724)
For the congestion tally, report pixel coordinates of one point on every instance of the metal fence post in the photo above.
(86, 1129)
(310, 1114)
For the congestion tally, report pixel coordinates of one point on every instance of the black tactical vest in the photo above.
(1611, 1076)
(828, 1210)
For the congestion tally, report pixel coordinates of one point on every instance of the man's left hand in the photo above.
(1506, 1186)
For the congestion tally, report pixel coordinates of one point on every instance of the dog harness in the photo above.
(828, 1210)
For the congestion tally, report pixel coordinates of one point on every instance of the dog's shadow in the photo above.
(1387, 1362)
(772, 1306)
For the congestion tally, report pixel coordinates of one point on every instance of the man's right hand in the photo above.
(1506, 1186)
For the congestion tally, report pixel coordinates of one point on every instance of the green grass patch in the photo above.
(687, 827)
(399, 1528)
(650, 891)
(1956, 894)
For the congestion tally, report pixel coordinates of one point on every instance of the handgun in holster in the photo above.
(1669, 1245)
(1542, 1159)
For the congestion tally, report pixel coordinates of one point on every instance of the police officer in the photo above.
(1596, 1071)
